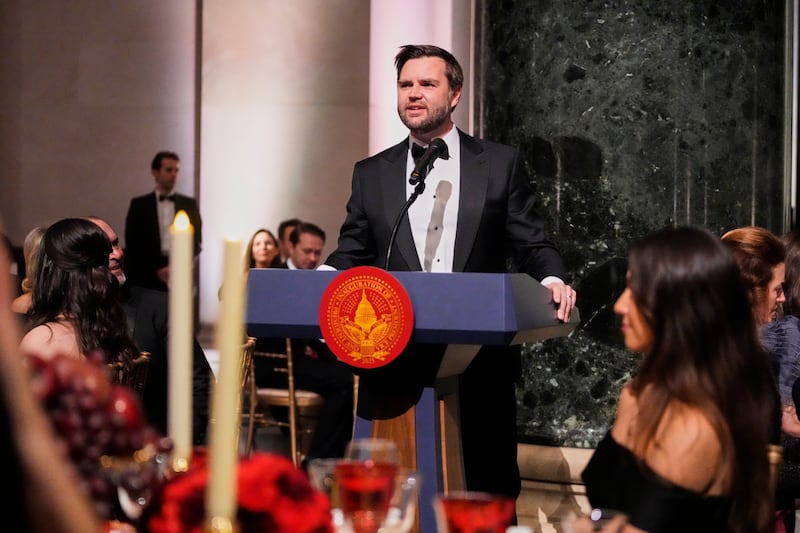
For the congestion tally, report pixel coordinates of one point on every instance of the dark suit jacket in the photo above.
(498, 214)
(143, 255)
(147, 312)
(498, 218)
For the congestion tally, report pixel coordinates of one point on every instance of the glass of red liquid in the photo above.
(364, 490)
(372, 449)
(473, 512)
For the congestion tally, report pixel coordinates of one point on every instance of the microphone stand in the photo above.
(420, 187)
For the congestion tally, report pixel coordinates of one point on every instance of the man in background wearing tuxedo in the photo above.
(148, 221)
(479, 211)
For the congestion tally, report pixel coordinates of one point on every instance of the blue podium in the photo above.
(455, 314)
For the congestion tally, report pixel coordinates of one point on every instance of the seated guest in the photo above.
(315, 367)
(782, 336)
(147, 312)
(30, 251)
(782, 339)
(285, 229)
(760, 255)
(688, 448)
(74, 308)
(41, 494)
(262, 251)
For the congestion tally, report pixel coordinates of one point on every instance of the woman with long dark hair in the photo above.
(74, 308)
(688, 449)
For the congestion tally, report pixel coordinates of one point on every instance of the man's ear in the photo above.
(455, 98)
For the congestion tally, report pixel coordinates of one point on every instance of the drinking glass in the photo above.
(402, 508)
(370, 449)
(403, 505)
(473, 512)
(322, 474)
(364, 490)
(596, 520)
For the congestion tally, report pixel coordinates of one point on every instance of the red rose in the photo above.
(273, 497)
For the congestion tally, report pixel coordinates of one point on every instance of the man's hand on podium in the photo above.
(563, 295)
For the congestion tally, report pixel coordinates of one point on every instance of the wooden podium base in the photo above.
(428, 438)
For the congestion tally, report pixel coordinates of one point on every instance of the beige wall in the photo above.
(284, 116)
(89, 91)
(269, 127)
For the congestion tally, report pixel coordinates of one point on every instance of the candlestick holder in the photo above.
(220, 524)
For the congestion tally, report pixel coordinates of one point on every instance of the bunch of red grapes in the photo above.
(120, 460)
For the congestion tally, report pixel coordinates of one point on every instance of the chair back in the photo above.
(133, 376)
(774, 458)
(245, 376)
(246, 368)
(287, 396)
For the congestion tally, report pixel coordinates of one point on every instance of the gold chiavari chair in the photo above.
(134, 376)
(301, 404)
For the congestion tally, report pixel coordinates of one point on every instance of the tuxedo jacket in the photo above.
(147, 313)
(498, 220)
(143, 255)
(498, 215)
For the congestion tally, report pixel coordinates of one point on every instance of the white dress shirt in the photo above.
(419, 214)
(166, 216)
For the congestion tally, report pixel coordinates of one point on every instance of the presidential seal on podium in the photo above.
(366, 317)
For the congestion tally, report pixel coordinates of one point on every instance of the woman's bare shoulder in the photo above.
(50, 339)
(688, 451)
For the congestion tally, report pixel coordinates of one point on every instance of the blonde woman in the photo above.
(30, 250)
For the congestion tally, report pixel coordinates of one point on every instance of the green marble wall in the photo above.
(632, 115)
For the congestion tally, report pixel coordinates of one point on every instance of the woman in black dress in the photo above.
(688, 448)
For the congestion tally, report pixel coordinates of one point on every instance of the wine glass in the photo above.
(364, 490)
(372, 449)
(403, 505)
(473, 512)
(402, 510)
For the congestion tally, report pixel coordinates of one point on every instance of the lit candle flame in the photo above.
(181, 221)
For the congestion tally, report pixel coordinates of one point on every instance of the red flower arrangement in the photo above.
(273, 497)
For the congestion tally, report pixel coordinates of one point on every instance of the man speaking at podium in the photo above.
(470, 208)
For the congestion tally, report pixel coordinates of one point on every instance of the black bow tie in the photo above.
(417, 151)
(167, 197)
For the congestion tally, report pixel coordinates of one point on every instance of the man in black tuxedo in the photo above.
(148, 221)
(147, 312)
(478, 211)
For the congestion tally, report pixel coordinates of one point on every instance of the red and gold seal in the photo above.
(366, 317)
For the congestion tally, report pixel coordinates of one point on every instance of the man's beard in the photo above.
(435, 119)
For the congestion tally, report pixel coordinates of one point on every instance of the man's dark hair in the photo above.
(305, 227)
(160, 156)
(455, 76)
(286, 224)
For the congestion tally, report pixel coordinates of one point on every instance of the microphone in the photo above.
(436, 148)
